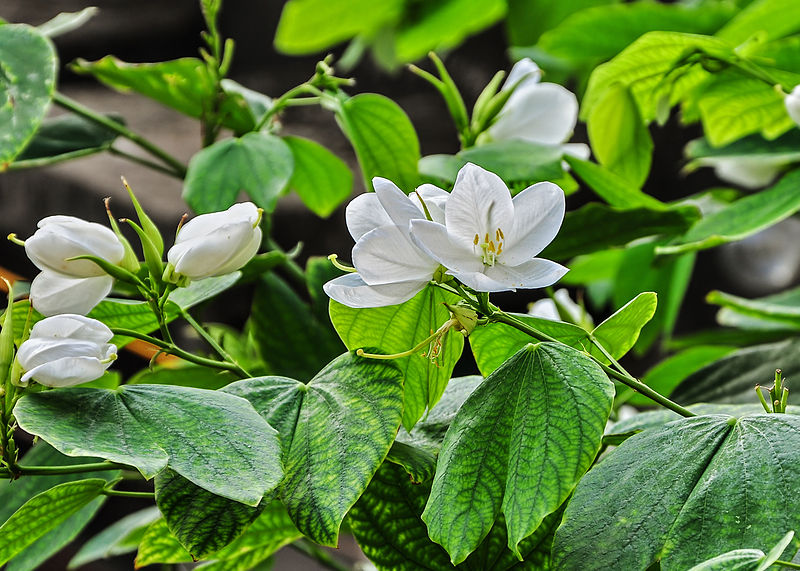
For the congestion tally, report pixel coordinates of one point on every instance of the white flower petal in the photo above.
(545, 309)
(748, 172)
(199, 226)
(365, 213)
(479, 281)
(535, 273)
(544, 113)
(434, 240)
(352, 291)
(66, 372)
(396, 203)
(538, 214)
(220, 250)
(577, 150)
(525, 68)
(53, 294)
(72, 326)
(38, 351)
(479, 204)
(435, 200)
(385, 255)
(792, 103)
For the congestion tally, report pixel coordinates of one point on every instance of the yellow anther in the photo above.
(476, 240)
(486, 238)
(501, 234)
(492, 247)
(499, 248)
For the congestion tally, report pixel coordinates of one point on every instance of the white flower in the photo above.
(544, 113)
(62, 237)
(546, 309)
(52, 293)
(749, 172)
(488, 240)
(216, 244)
(792, 102)
(391, 269)
(66, 350)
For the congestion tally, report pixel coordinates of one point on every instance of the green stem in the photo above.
(79, 109)
(124, 494)
(788, 564)
(213, 343)
(502, 317)
(173, 349)
(69, 469)
(283, 101)
(318, 554)
(144, 162)
(295, 271)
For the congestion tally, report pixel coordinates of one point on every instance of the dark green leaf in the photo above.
(214, 439)
(684, 492)
(528, 19)
(661, 416)
(383, 138)
(335, 432)
(784, 148)
(158, 545)
(517, 446)
(418, 462)
(184, 84)
(201, 521)
(121, 537)
(185, 376)
(259, 164)
(63, 137)
(517, 160)
(28, 65)
(411, 322)
(595, 227)
(44, 512)
(321, 179)
(759, 313)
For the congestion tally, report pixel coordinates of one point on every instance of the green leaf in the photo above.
(769, 18)
(621, 330)
(493, 343)
(66, 22)
(203, 522)
(183, 84)
(123, 536)
(596, 226)
(386, 523)
(44, 512)
(684, 492)
(620, 140)
(411, 322)
(259, 164)
(321, 179)
(769, 313)
(65, 137)
(28, 65)
(291, 339)
(661, 416)
(308, 26)
(615, 190)
(213, 439)
(783, 149)
(669, 373)
(187, 375)
(517, 446)
(517, 160)
(419, 463)
(444, 25)
(335, 431)
(732, 378)
(736, 560)
(383, 138)
(158, 545)
(201, 290)
(599, 33)
(741, 218)
(528, 19)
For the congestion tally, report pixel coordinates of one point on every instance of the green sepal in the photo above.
(147, 224)
(488, 93)
(152, 256)
(7, 339)
(455, 103)
(130, 261)
(116, 272)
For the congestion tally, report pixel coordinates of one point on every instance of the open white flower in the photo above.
(390, 268)
(544, 113)
(66, 350)
(53, 293)
(488, 240)
(792, 102)
(216, 244)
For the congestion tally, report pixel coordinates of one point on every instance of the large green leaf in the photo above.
(612, 188)
(769, 18)
(184, 84)
(517, 446)
(742, 218)
(321, 179)
(683, 493)
(732, 378)
(398, 328)
(213, 439)
(13, 494)
(386, 523)
(123, 536)
(291, 339)
(383, 137)
(259, 164)
(529, 19)
(595, 226)
(307, 26)
(785, 313)
(620, 331)
(620, 140)
(44, 512)
(28, 65)
(335, 432)
(203, 522)
(62, 138)
(158, 545)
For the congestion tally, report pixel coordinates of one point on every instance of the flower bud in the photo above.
(66, 350)
(792, 102)
(60, 238)
(52, 293)
(215, 244)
